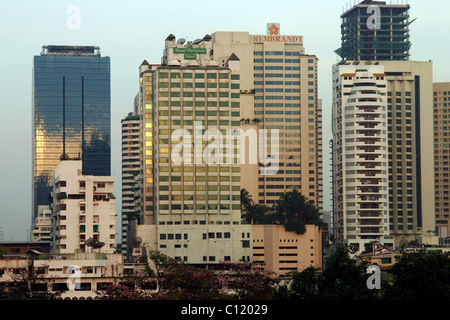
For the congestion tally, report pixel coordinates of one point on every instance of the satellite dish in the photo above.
(197, 41)
(181, 41)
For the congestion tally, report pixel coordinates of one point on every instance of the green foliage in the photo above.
(3, 251)
(252, 212)
(344, 279)
(420, 276)
(295, 211)
(415, 276)
(303, 286)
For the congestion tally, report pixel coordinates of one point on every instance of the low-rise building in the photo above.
(75, 276)
(83, 210)
(284, 252)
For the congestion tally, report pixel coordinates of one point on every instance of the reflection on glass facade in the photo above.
(71, 114)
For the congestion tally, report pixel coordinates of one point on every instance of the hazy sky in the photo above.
(131, 31)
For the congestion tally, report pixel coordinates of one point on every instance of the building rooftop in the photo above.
(61, 50)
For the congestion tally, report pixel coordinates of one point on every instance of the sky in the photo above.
(132, 31)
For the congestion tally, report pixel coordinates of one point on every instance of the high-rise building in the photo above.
(409, 150)
(360, 157)
(191, 178)
(131, 167)
(83, 210)
(375, 33)
(279, 92)
(375, 30)
(71, 114)
(442, 157)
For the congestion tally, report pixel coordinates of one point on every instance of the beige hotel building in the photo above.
(279, 89)
(191, 190)
(229, 80)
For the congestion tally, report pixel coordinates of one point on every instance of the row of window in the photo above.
(201, 222)
(198, 75)
(280, 112)
(279, 53)
(277, 68)
(280, 75)
(190, 207)
(281, 105)
(281, 97)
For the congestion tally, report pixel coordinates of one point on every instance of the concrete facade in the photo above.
(279, 90)
(360, 156)
(441, 125)
(191, 185)
(410, 149)
(83, 208)
(284, 252)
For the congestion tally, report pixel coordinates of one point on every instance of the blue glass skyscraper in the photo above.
(71, 114)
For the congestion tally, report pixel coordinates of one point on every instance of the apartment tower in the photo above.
(360, 160)
(376, 33)
(131, 168)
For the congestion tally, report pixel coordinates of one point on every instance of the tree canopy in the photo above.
(293, 210)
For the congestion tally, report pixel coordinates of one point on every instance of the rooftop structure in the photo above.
(375, 30)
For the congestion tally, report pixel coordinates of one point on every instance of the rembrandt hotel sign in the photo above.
(273, 35)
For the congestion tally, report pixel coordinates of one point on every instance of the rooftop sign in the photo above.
(190, 50)
(273, 35)
(278, 38)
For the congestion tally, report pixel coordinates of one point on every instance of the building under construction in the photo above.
(375, 30)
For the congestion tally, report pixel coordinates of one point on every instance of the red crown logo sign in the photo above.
(273, 29)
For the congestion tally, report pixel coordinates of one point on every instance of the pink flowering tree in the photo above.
(176, 280)
(247, 281)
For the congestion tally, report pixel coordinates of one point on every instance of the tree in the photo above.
(247, 281)
(177, 280)
(344, 279)
(252, 212)
(131, 288)
(26, 286)
(302, 286)
(420, 276)
(230, 280)
(295, 211)
(3, 251)
(246, 199)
